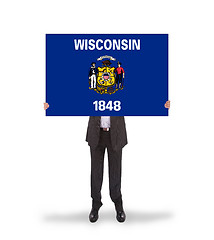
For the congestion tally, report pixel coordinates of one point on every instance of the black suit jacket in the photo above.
(118, 132)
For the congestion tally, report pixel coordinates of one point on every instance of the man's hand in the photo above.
(167, 104)
(46, 106)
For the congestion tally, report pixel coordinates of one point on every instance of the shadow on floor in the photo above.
(131, 217)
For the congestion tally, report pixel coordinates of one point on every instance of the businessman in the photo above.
(106, 133)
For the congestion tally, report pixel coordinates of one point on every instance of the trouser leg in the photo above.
(114, 163)
(121, 80)
(117, 81)
(97, 162)
(93, 81)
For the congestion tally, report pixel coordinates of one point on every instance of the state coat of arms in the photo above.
(106, 79)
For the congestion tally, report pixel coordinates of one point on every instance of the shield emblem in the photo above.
(103, 79)
(106, 76)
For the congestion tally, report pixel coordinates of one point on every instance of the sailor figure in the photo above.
(93, 75)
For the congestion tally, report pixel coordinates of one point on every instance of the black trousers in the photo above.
(114, 169)
(119, 80)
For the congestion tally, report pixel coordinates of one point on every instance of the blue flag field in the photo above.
(106, 74)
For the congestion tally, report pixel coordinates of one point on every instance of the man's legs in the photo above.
(121, 80)
(93, 81)
(114, 163)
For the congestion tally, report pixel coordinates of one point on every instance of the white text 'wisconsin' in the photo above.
(107, 44)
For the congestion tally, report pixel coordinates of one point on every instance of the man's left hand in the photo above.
(167, 104)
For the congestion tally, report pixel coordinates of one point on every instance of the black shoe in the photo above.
(93, 216)
(121, 216)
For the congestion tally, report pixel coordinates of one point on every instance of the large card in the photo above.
(106, 74)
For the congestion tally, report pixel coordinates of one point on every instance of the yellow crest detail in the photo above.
(106, 76)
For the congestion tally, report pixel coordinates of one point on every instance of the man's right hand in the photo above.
(46, 106)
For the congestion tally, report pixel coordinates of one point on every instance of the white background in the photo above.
(167, 178)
